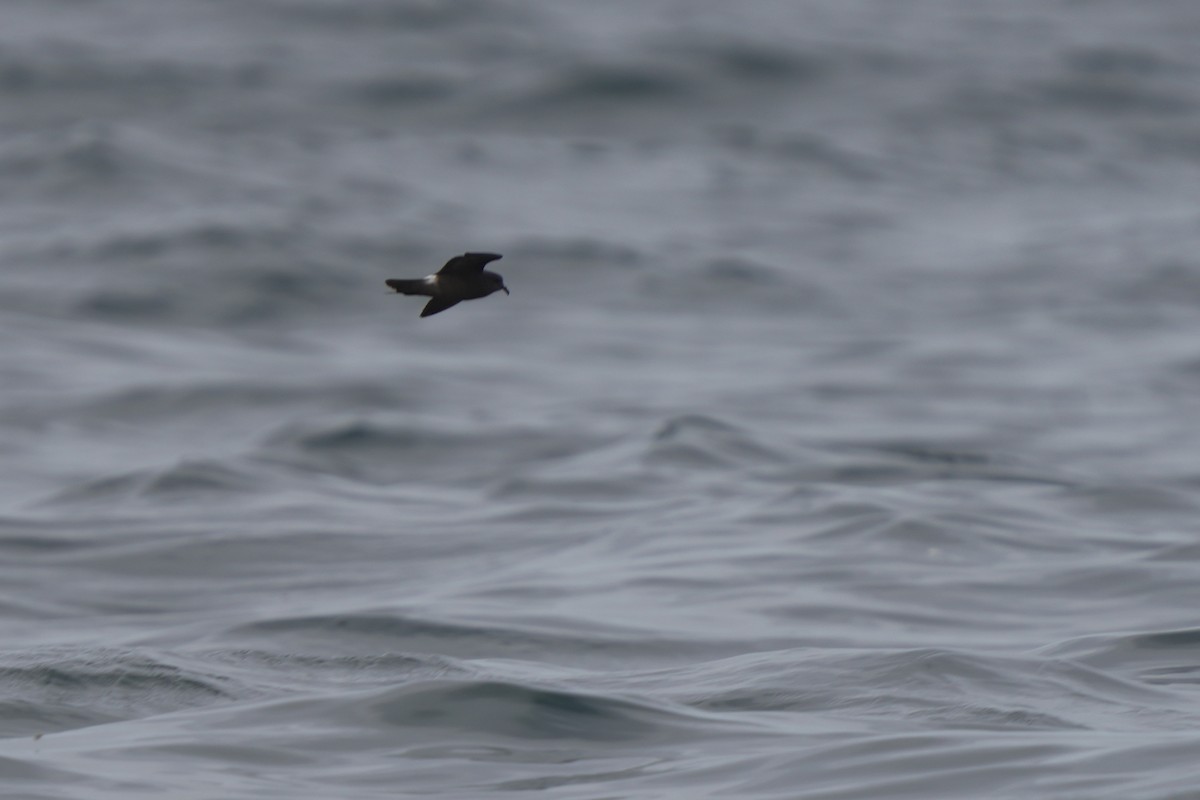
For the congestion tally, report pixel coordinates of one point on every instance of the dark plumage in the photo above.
(462, 278)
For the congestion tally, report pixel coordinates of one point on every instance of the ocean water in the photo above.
(840, 437)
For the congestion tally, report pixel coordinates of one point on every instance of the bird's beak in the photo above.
(505, 288)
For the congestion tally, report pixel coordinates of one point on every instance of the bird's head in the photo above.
(495, 282)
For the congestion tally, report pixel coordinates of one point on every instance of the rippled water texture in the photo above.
(838, 440)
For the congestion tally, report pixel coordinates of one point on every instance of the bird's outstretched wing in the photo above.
(468, 263)
(437, 304)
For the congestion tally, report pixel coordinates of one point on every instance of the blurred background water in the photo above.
(838, 439)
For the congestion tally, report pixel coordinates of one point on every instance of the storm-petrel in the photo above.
(462, 278)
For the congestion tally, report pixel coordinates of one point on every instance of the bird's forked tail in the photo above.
(414, 286)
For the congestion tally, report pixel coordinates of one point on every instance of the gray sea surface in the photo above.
(840, 437)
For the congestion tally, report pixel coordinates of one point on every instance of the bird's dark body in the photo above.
(461, 278)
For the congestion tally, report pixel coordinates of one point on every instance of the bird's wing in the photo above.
(437, 304)
(468, 263)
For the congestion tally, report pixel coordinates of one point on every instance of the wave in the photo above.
(74, 689)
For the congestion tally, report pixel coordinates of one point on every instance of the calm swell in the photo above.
(837, 440)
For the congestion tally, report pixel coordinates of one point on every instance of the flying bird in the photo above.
(462, 278)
